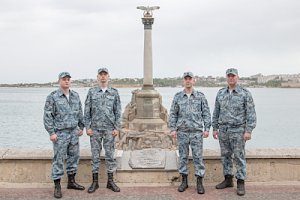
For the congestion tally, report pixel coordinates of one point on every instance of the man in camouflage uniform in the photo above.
(190, 122)
(63, 120)
(234, 118)
(102, 116)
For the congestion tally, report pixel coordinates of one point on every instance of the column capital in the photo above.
(148, 21)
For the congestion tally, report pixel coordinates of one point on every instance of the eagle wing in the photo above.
(142, 7)
(154, 7)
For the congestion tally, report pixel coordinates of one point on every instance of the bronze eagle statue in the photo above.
(148, 10)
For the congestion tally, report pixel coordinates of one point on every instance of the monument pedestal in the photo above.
(149, 112)
(145, 123)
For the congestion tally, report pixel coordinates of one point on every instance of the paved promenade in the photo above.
(254, 191)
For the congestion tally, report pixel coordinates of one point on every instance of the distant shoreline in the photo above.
(255, 81)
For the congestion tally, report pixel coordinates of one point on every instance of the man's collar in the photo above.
(237, 89)
(61, 92)
(184, 92)
(108, 89)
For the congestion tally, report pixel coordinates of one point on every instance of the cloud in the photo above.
(41, 38)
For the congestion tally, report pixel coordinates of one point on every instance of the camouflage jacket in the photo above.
(189, 113)
(61, 113)
(102, 109)
(235, 109)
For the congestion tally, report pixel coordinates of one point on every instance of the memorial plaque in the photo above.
(148, 159)
(148, 108)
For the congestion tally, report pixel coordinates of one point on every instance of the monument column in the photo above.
(148, 67)
(145, 118)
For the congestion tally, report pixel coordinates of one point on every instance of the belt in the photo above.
(233, 126)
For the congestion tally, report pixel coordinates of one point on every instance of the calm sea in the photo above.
(278, 125)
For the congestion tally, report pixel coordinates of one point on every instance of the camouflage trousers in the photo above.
(65, 148)
(232, 143)
(195, 140)
(109, 147)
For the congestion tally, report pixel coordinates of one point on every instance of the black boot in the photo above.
(72, 184)
(95, 184)
(240, 187)
(226, 183)
(57, 189)
(111, 184)
(200, 188)
(184, 183)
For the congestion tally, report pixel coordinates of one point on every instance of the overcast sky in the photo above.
(40, 38)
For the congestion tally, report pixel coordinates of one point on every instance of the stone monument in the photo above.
(145, 130)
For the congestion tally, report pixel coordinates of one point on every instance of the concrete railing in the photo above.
(18, 166)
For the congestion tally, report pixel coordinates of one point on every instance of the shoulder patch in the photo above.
(222, 89)
(53, 92)
(200, 93)
(76, 93)
(244, 89)
(114, 89)
(92, 89)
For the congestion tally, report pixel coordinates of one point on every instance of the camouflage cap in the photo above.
(64, 74)
(190, 74)
(102, 69)
(232, 71)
